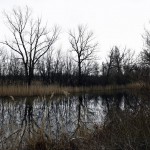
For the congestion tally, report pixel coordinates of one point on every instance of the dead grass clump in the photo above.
(123, 131)
(40, 142)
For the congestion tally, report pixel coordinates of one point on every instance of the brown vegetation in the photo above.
(125, 130)
(42, 90)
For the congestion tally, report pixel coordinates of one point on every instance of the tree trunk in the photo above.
(30, 76)
(79, 74)
(26, 73)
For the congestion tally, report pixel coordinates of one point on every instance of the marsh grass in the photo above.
(126, 130)
(41, 90)
(121, 130)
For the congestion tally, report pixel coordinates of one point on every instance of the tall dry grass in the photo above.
(123, 131)
(41, 90)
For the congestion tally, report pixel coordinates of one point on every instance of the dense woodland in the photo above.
(29, 56)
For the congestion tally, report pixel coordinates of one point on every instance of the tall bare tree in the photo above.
(145, 58)
(145, 54)
(31, 40)
(83, 45)
(118, 64)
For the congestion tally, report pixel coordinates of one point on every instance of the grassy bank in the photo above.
(41, 90)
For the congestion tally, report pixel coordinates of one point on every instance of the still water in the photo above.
(61, 114)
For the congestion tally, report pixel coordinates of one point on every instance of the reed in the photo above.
(41, 90)
(122, 131)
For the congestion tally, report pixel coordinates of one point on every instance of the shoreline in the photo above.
(43, 90)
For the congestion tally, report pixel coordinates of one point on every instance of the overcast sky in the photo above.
(114, 22)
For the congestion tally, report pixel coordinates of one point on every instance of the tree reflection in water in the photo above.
(24, 117)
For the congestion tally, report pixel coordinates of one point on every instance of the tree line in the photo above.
(33, 57)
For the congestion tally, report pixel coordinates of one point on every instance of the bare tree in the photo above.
(82, 43)
(145, 54)
(145, 58)
(118, 64)
(109, 63)
(31, 40)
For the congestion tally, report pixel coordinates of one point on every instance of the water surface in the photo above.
(61, 114)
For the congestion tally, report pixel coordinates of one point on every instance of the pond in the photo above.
(55, 115)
